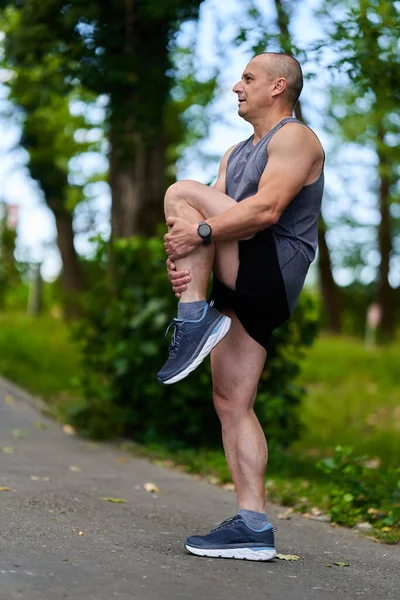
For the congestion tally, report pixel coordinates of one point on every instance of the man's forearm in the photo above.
(245, 219)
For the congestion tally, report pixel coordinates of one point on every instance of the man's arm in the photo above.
(291, 158)
(220, 184)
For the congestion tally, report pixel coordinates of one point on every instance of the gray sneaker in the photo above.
(191, 342)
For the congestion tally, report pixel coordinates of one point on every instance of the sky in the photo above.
(36, 227)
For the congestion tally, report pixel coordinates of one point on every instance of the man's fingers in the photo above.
(179, 288)
(177, 276)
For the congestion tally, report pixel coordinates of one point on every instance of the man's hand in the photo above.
(179, 279)
(182, 238)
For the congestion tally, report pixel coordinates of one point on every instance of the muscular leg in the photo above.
(238, 360)
(236, 364)
(195, 202)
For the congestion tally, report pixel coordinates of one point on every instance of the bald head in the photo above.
(283, 65)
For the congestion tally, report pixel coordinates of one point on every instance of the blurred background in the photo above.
(104, 104)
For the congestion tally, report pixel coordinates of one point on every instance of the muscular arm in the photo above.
(220, 184)
(291, 158)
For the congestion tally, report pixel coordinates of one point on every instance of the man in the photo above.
(256, 229)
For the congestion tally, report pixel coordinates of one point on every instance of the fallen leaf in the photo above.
(40, 425)
(7, 449)
(229, 486)
(81, 533)
(374, 539)
(330, 566)
(6, 489)
(75, 469)
(316, 512)
(213, 480)
(34, 478)
(341, 564)
(69, 430)
(285, 516)
(9, 399)
(287, 557)
(151, 487)
(116, 500)
(123, 460)
(19, 433)
(65, 559)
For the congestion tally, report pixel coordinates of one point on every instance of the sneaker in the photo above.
(234, 539)
(191, 342)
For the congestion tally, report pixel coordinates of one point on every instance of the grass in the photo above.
(38, 354)
(353, 399)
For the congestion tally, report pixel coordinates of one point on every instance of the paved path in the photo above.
(134, 550)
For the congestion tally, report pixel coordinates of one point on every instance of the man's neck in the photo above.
(268, 122)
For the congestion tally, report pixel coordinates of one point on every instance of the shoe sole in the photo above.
(238, 553)
(222, 329)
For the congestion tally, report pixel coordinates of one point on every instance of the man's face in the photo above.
(254, 89)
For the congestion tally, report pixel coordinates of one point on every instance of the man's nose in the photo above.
(238, 87)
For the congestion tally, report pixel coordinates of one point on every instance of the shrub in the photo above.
(123, 348)
(361, 491)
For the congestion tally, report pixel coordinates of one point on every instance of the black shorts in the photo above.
(259, 300)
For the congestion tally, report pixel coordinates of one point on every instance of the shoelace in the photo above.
(223, 524)
(228, 522)
(176, 336)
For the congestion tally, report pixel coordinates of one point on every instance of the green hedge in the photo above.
(123, 349)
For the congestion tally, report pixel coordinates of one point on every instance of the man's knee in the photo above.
(230, 407)
(179, 189)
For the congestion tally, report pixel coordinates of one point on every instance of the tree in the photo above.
(41, 100)
(122, 49)
(364, 34)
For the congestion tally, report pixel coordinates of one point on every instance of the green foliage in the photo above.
(123, 349)
(38, 354)
(362, 492)
(9, 275)
(352, 399)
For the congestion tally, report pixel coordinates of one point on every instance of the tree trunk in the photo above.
(71, 275)
(136, 137)
(385, 293)
(137, 188)
(328, 288)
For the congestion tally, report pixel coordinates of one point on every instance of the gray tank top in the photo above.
(296, 232)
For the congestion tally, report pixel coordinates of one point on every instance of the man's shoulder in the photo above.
(296, 134)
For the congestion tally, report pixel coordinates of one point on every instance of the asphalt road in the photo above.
(135, 550)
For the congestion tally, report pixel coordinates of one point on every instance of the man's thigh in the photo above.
(207, 200)
(236, 365)
(211, 202)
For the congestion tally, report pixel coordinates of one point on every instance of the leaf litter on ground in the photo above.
(19, 433)
(115, 500)
(39, 425)
(287, 557)
(151, 487)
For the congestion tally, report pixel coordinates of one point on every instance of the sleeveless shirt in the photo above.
(296, 232)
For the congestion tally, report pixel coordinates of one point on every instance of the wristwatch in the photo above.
(204, 231)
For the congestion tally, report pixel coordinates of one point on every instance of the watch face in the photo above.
(204, 230)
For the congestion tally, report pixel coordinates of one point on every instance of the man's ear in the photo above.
(279, 86)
